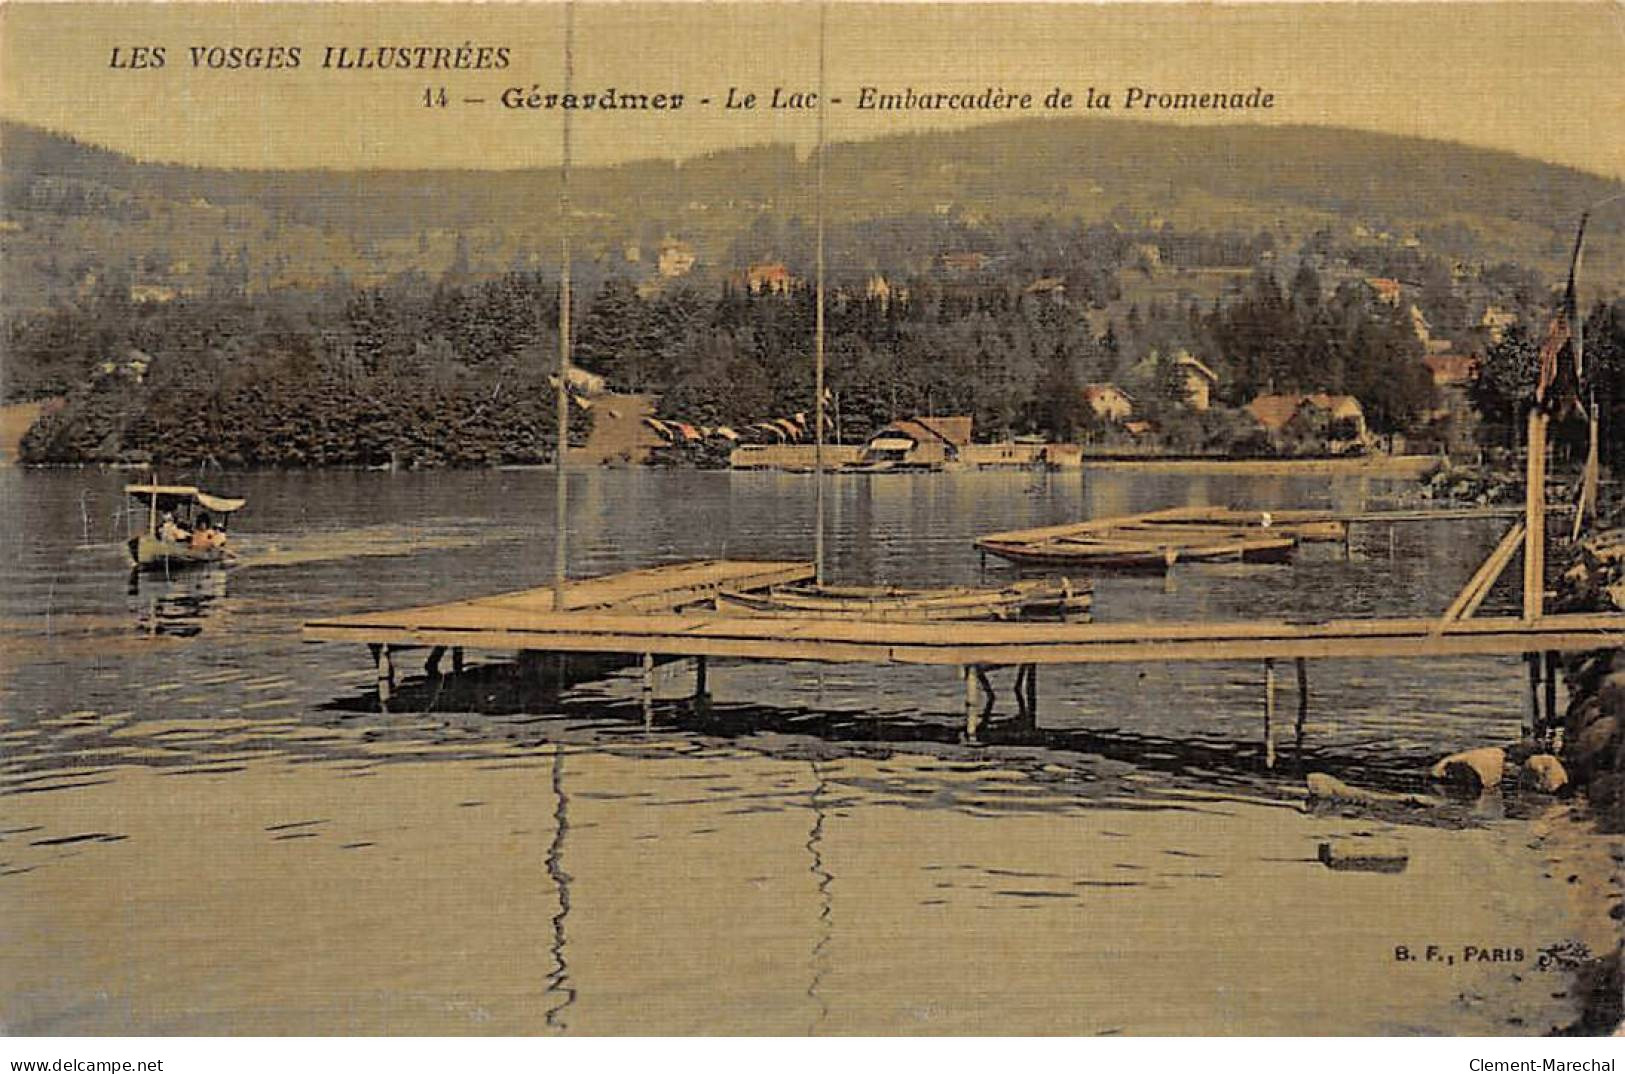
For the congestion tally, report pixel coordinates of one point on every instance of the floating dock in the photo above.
(1157, 540)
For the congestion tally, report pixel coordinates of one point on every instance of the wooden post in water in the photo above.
(457, 659)
(648, 689)
(1534, 537)
(1532, 712)
(1550, 719)
(1269, 712)
(1303, 702)
(702, 692)
(973, 711)
(386, 672)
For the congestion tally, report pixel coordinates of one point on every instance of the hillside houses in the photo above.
(1108, 402)
(1340, 418)
(1199, 381)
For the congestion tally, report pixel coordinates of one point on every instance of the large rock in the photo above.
(1544, 773)
(1474, 771)
(1361, 855)
(1325, 788)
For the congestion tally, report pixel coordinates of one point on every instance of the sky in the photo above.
(1545, 80)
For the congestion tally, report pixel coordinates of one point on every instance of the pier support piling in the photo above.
(1550, 720)
(701, 704)
(973, 711)
(1269, 712)
(1303, 704)
(431, 666)
(386, 672)
(457, 659)
(648, 689)
(988, 697)
(1532, 710)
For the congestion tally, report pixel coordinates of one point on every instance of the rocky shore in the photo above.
(1592, 745)
(1593, 750)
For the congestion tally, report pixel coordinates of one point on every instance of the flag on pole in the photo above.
(1564, 330)
(1557, 334)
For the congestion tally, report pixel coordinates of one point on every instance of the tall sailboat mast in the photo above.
(818, 328)
(560, 495)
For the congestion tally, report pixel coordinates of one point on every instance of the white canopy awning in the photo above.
(181, 493)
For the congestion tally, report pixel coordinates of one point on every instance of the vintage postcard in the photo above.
(835, 518)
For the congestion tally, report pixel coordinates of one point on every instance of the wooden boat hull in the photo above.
(1129, 556)
(1036, 599)
(155, 554)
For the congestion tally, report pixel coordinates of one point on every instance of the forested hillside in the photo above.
(317, 318)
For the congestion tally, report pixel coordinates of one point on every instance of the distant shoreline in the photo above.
(1408, 466)
(798, 458)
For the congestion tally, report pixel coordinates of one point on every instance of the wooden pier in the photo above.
(660, 614)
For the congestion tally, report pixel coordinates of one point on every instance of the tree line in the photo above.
(454, 370)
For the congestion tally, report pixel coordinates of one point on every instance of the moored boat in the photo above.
(1142, 555)
(1030, 599)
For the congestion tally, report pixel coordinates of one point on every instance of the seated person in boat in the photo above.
(206, 537)
(170, 530)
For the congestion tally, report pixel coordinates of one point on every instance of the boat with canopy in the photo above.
(185, 526)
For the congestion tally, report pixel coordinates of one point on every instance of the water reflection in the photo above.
(824, 882)
(176, 604)
(559, 985)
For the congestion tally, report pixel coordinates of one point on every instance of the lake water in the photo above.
(206, 826)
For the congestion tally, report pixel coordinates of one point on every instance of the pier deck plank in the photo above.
(654, 589)
(837, 641)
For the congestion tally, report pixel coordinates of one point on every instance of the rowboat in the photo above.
(1143, 554)
(185, 527)
(1031, 599)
